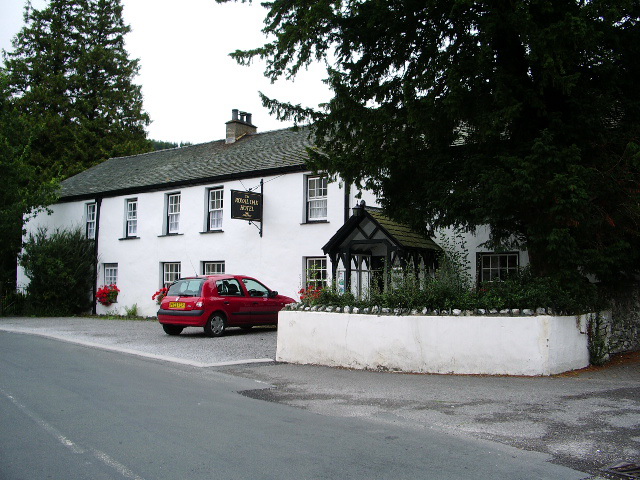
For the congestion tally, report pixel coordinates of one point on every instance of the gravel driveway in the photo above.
(146, 338)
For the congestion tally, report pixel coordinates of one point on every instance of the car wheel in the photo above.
(215, 325)
(172, 329)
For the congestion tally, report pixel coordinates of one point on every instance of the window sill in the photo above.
(311, 222)
(212, 231)
(129, 238)
(171, 235)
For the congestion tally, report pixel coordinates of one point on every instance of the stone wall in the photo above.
(624, 326)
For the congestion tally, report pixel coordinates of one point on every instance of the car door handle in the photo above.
(226, 303)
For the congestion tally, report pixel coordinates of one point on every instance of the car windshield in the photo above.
(190, 287)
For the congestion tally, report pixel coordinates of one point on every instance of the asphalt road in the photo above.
(584, 420)
(72, 412)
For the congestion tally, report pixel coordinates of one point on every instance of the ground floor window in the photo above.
(170, 273)
(496, 266)
(316, 272)
(110, 273)
(212, 268)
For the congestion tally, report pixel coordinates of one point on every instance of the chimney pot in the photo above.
(239, 125)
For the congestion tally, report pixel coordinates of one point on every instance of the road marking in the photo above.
(71, 445)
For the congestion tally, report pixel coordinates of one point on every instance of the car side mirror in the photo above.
(272, 293)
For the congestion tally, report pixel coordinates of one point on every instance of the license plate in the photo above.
(177, 304)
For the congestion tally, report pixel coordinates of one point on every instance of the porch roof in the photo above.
(400, 235)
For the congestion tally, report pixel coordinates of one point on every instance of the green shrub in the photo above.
(443, 291)
(60, 267)
(132, 311)
(13, 303)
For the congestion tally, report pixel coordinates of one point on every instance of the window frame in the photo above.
(173, 213)
(217, 263)
(131, 221)
(167, 273)
(220, 208)
(90, 213)
(320, 283)
(323, 188)
(499, 268)
(106, 276)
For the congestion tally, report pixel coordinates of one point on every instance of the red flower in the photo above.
(107, 294)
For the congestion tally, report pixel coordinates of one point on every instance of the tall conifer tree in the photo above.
(70, 74)
(523, 115)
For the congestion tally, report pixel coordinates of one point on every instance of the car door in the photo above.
(235, 303)
(264, 310)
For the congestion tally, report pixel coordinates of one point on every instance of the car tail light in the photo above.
(200, 303)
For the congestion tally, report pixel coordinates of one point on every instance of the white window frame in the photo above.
(215, 208)
(170, 273)
(316, 273)
(110, 271)
(498, 267)
(131, 222)
(316, 198)
(213, 268)
(173, 213)
(90, 215)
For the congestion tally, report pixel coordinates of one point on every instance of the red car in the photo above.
(216, 302)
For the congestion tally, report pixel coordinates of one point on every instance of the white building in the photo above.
(162, 215)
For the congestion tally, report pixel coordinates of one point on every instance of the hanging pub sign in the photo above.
(246, 205)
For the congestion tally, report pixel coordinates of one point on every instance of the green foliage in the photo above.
(524, 116)
(161, 145)
(524, 290)
(132, 311)
(23, 192)
(71, 78)
(12, 302)
(450, 289)
(598, 347)
(60, 267)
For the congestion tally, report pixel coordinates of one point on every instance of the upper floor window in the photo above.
(173, 212)
(316, 198)
(214, 221)
(91, 220)
(132, 217)
(496, 266)
(110, 273)
(212, 268)
(316, 272)
(170, 273)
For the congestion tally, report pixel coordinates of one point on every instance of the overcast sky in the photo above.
(189, 83)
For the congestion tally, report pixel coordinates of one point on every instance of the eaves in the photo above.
(183, 183)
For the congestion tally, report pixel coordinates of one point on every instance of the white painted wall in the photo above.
(494, 345)
(277, 258)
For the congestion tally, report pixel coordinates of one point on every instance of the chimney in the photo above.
(239, 126)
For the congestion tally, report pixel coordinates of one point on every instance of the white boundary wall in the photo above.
(493, 345)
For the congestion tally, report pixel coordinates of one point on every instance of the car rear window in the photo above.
(191, 287)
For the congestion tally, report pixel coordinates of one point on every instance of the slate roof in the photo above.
(265, 153)
(402, 235)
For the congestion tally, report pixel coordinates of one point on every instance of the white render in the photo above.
(277, 258)
(491, 345)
